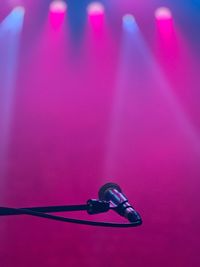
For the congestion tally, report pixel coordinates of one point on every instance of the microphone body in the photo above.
(112, 192)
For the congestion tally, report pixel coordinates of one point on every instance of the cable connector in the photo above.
(97, 206)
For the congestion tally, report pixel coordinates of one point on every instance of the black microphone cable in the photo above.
(114, 202)
(71, 220)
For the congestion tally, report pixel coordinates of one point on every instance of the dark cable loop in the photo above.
(77, 221)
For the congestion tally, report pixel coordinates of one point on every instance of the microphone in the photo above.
(112, 192)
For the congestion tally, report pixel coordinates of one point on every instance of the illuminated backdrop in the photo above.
(92, 94)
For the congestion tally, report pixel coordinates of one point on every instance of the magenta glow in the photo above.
(57, 13)
(96, 15)
(58, 6)
(95, 8)
(163, 13)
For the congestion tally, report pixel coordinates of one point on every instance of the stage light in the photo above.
(57, 13)
(95, 12)
(95, 8)
(10, 33)
(164, 23)
(20, 10)
(163, 13)
(129, 23)
(58, 6)
(14, 20)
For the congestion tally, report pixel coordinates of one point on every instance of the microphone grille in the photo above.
(105, 188)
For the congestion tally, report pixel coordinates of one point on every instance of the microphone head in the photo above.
(105, 188)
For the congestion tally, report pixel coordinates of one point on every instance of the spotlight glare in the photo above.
(129, 23)
(58, 6)
(14, 21)
(163, 13)
(95, 8)
(20, 10)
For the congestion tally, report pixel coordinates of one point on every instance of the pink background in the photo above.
(85, 103)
